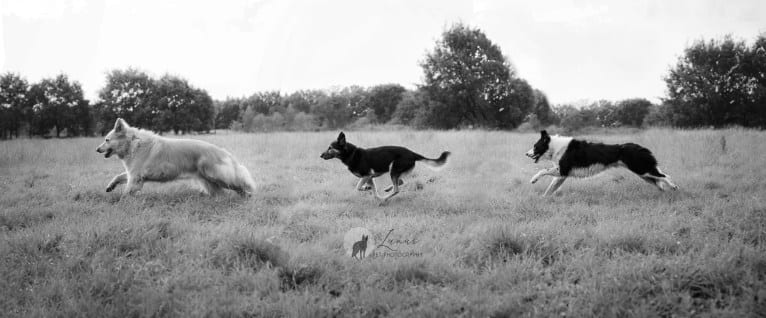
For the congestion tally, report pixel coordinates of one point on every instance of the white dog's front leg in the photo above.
(134, 185)
(120, 178)
(545, 172)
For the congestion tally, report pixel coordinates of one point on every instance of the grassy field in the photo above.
(475, 239)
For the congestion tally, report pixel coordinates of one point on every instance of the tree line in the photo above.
(55, 106)
(715, 83)
(467, 83)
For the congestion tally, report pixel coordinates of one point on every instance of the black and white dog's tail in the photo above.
(438, 163)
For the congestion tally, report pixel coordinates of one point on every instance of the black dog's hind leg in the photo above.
(398, 168)
(388, 188)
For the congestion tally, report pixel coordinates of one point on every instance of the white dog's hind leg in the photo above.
(120, 178)
(210, 187)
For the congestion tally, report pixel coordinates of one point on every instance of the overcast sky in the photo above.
(571, 50)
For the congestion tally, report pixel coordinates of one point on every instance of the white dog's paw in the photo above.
(365, 187)
(110, 187)
(534, 179)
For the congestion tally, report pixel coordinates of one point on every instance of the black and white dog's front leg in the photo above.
(558, 179)
(555, 184)
(554, 171)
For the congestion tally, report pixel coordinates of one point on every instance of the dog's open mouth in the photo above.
(108, 153)
(535, 157)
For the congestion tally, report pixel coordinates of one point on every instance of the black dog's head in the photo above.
(338, 149)
(540, 147)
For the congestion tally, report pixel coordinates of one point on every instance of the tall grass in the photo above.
(485, 242)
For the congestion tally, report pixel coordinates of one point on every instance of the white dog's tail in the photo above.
(438, 163)
(229, 174)
(245, 179)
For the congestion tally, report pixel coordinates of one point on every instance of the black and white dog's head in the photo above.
(541, 148)
(338, 149)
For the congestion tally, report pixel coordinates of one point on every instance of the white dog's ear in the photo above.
(120, 125)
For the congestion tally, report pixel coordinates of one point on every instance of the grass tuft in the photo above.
(248, 253)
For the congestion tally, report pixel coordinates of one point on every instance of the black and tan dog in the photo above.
(370, 163)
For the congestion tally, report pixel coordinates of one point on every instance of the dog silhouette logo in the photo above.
(360, 243)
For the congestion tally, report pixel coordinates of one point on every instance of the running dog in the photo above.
(370, 163)
(579, 158)
(148, 157)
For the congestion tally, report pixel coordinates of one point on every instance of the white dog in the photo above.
(148, 157)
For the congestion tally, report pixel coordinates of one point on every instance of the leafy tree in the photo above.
(573, 119)
(303, 100)
(542, 109)
(128, 94)
(472, 83)
(227, 112)
(179, 107)
(606, 113)
(383, 99)
(355, 99)
(659, 116)
(631, 112)
(718, 83)
(264, 102)
(412, 104)
(15, 106)
(59, 104)
(334, 111)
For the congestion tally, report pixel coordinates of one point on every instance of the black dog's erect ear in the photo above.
(342, 138)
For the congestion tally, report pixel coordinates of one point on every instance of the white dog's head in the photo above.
(117, 141)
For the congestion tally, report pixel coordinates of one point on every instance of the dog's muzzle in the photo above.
(107, 153)
(534, 157)
(325, 156)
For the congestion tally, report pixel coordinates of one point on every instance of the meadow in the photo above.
(473, 240)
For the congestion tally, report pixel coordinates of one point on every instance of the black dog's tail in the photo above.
(438, 163)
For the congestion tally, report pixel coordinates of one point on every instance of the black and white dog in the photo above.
(579, 158)
(370, 163)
